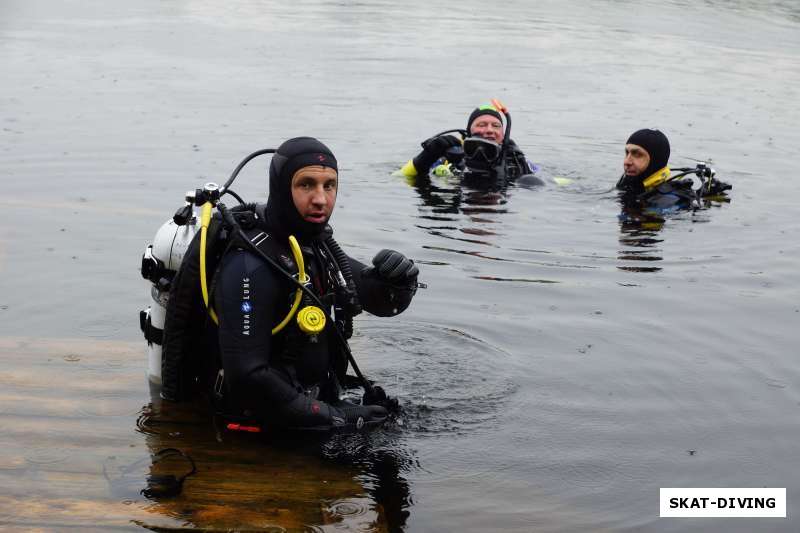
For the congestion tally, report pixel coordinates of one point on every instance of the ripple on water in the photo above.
(446, 380)
(108, 404)
(48, 450)
(350, 514)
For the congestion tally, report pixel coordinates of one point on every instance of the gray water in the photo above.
(561, 366)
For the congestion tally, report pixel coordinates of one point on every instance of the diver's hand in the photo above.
(439, 145)
(377, 396)
(356, 416)
(309, 413)
(393, 267)
(432, 150)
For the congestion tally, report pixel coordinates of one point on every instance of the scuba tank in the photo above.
(160, 262)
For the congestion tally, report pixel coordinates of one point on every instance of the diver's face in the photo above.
(489, 127)
(636, 160)
(314, 193)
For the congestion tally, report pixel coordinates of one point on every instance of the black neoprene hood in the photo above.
(291, 156)
(656, 145)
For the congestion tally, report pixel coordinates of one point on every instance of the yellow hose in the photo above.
(301, 277)
(205, 219)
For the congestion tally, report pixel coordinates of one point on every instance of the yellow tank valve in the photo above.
(311, 320)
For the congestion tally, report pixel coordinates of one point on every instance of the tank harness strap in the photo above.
(152, 334)
(259, 238)
(267, 244)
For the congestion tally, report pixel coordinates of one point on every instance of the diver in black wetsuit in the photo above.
(483, 152)
(294, 378)
(648, 181)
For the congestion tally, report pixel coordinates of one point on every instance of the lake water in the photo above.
(562, 364)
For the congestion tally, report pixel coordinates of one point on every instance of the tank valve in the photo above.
(209, 193)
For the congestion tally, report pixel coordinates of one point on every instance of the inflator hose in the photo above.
(302, 277)
(205, 219)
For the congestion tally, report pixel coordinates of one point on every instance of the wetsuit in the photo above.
(291, 378)
(275, 377)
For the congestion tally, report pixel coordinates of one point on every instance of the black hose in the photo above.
(464, 133)
(238, 198)
(343, 262)
(241, 165)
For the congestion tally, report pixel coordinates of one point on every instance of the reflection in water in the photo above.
(446, 196)
(468, 211)
(266, 482)
(382, 463)
(640, 229)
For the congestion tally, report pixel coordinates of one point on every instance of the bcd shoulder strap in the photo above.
(271, 247)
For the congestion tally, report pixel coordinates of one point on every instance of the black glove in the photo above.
(433, 149)
(439, 145)
(393, 267)
(358, 416)
(306, 412)
(377, 396)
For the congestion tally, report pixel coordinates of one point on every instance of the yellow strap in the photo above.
(656, 178)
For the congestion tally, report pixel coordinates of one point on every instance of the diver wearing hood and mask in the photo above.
(483, 153)
(648, 180)
(290, 374)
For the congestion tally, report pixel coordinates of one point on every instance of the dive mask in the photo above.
(480, 150)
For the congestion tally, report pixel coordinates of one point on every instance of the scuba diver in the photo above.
(649, 190)
(483, 153)
(275, 318)
(647, 179)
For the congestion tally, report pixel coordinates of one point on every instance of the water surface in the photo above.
(563, 363)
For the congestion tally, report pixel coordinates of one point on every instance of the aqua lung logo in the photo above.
(246, 306)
